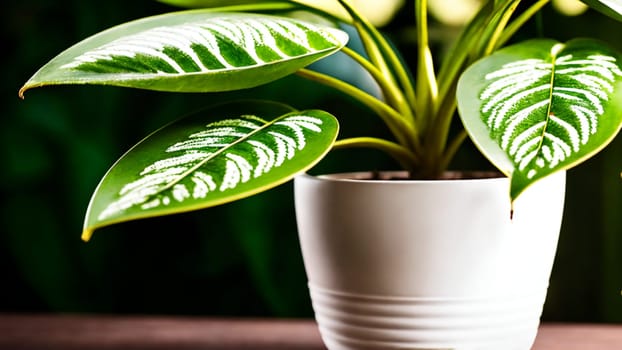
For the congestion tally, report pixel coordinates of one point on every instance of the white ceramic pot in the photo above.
(427, 264)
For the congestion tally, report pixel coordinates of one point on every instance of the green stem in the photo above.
(427, 89)
(386, 84)
(373, 52)
(400, 127)
(458, 55)
(453, 147)
(406, 158)
(442, 124)
(500, 27)
(371, 48)
(380, 49)
(516, 24)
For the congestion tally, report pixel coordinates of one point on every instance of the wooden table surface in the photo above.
(95, 332)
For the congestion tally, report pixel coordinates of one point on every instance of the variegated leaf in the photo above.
(542, 106)
(194, 163)
(193, 51)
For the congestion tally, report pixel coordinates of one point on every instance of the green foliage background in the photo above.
(240, 259)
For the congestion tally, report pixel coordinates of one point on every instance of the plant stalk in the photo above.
(427, 89)
(402, 155)
(381, 50)
(400, 127)
(386, 84)
(516, 24)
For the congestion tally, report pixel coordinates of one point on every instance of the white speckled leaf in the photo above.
(198, 162)
(193, 51)
(541, 106)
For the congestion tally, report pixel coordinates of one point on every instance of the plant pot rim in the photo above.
(401, 177)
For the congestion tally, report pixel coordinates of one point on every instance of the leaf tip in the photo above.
(21, 91)
(29, 85)
(87, 234)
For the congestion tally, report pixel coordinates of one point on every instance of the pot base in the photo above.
(373, 322)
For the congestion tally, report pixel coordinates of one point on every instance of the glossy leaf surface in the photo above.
(611, 8)
(225, 3)
(193, 51)
(201, 161)
(333, 9)
(541, 106)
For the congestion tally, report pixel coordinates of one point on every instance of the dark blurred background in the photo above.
(240, 259)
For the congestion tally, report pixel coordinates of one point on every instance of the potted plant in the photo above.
(473, 271)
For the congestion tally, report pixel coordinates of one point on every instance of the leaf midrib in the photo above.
(149, 76)
(555, 50)
(214, 155)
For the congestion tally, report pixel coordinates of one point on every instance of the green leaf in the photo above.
(235, 5)
(541, 106)
(226, 3)
(197, 162)
(611, 8)
(193, 51)
(332, 9)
